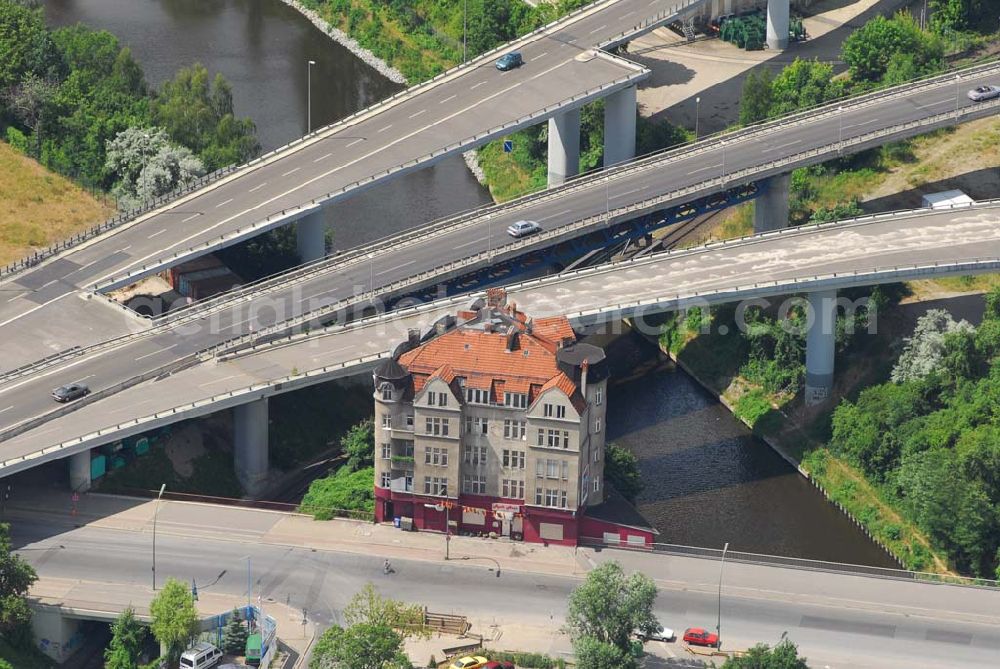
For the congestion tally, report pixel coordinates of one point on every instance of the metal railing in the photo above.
(797, 563)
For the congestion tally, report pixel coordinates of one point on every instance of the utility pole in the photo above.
(156, 511)
(309, 97)
(465, 31)
(718, 622)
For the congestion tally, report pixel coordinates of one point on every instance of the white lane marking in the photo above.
(545, 218)
(257, 187)
(7, 409)
(161, 350)
(223, 204)
(192, 216)
(422, 111)
(309, 181)
(385, 271)
(225, 378)
(597, 30)
(781, 146)
(934, 104)
(357, 141)
(448, 99)
(82, 267)
(541, 55)
(628, 13)
(386, 128)
(855, 125)
(155, 234)
(123, 250)
(48, 284)
(18, 297)
(323, 157)
(291, 171)
(702, 169)
(472, 88)
(628, 192)
(474, 241)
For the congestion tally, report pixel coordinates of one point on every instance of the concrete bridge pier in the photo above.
(777, 24)
(250, 452)
(820, 346)
(310, 237)
(79, 472)
(56, 635)
(564, 147)
(619, 126)
(770, 211)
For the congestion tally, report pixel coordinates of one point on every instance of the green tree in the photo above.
(342, 490)
(609, 605)
(175, 620)
(869, 49)
(199, 115)
(369, 607)
(16, 578)
(4, 664)
(804, 83)
(593, 654)
(783, 656)
(146, 165)
(234, 635)
(359, 446)
(755, 101)
(621, 470)
(25, 45)
(992, 298)
(127, 635)
(361, 646)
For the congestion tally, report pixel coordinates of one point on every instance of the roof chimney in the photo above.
(487, 327)
(413, 336)
(584, 366)
(496, 297)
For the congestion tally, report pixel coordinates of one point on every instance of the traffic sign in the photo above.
(508, 145)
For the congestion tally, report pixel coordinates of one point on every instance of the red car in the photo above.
(498, 665)
(698, 636)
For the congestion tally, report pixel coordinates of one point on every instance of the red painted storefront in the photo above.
(505, 517)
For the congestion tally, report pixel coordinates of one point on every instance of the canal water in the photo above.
(263, 48)
(707, 480)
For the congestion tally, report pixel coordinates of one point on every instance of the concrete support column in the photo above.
(564, 147)
(770, 210)
(57, 636)
(310, 237)
(250, 445)
(619, 126)
(777, 24)
(820, 345)
(79, 472)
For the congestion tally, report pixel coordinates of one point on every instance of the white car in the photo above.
(980, 93)
(660, 634)
(523, 228)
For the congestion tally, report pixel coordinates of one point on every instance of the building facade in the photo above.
(491, 423)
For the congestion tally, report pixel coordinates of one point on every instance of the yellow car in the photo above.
(469, 662)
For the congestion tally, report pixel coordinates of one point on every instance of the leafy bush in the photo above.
(621, 470)
(752, 406)
(342, 491)
(527, 660)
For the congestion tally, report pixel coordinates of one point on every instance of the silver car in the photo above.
(980, 93)
(659, 634)
(523, 228)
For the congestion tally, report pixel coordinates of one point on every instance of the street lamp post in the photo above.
(840, 134)
(309, 97)
(371, 274)
(697, 115)
(958, 80)
(723, 142)
(465, 31)
(718, 622)
(156, 511)
(447, 526)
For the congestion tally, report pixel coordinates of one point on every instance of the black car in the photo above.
(509, 61)
(70, 392)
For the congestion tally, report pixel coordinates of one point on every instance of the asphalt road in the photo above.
(848, 628)
(779, 263)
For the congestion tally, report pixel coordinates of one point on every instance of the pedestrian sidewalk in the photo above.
(230, 523)
(101, 600)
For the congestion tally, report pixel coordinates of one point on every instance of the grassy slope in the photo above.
(20, 659)
(39, 207)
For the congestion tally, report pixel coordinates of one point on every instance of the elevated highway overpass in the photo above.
(650, 190)
(816, 260)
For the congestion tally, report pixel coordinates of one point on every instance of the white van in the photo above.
(200, 656)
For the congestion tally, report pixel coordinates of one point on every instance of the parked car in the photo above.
(70, 392)
(200, 656)
(499, 664)
(523, 228)
(697, 636)
(980, 93)
(660, 634)
(469, 662)
(509, 61)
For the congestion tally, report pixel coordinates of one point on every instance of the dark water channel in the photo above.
(707, 479)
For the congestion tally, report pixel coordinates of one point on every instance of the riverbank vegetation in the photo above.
(67, 93)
